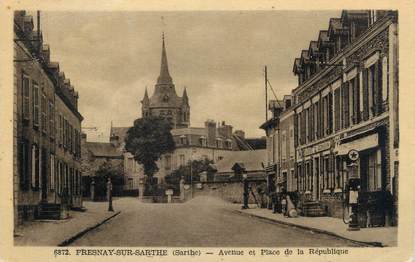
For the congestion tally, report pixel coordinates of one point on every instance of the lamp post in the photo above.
(109, 189)
(246, 189)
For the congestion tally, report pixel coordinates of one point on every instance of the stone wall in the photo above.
(228, 191)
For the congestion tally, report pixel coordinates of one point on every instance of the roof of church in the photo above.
(251, 159)
(100, 149)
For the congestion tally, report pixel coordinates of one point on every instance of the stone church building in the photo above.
(165, 102)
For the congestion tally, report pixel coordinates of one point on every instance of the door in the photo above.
(44, 167)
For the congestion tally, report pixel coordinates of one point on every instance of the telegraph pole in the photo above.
(266, 94)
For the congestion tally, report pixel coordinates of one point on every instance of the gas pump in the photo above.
(352, 190)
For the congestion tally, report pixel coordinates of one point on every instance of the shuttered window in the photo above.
(26, 97)
(36, 102)
(44, 114)
(346, 115)
(337, 111)
(330, 113)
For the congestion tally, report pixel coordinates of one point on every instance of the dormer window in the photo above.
(228, 143)
(219, 142)
(203, 141)
(183, 140)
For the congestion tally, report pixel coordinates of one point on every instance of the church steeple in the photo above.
(164, 77)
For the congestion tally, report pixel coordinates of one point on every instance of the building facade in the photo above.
(46, 128)
(213, 141)
(347, 98)
(280, 161)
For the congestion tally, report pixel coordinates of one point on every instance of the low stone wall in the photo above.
(228, 191)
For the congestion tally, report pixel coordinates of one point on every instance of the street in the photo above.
(201, 222)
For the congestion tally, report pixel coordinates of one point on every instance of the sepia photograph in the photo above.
(212, 129)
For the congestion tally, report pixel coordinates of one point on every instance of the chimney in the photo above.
(210, 126)
(225, 130)
(239, 133)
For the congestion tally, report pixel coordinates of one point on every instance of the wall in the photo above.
(230, 191)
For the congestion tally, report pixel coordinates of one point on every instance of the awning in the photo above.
(360, 144)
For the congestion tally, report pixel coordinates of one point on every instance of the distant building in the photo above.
(280, 161)
(213, 141)
(250, 161)
(47, 123)
(94, 155)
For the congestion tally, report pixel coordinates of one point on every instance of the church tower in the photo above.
(165, 102)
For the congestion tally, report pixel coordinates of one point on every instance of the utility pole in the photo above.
(266, 94)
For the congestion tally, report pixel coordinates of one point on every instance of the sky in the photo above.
(111, 57)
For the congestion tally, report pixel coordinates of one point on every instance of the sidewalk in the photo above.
(379, 236)
(55, 232)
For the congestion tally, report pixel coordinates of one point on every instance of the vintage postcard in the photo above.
(256, 131)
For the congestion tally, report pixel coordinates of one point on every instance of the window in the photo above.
(346, 115)
(52, 172)
(26, 97)
(329, 113)
(167, 162)
(325, 115)
(182, 160)
(202, 141)
(291, 142)
(296, 130)
(355, 103)
(35, 101)
(311, 123)
(183, 140)
(283, 146)
(219, 143)
(337, 110)
(44, 114)
(51, 120)
(374, 171)
(293, 180)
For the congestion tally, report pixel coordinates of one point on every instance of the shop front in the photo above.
(374, 198)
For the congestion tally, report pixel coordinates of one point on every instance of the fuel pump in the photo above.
(352, 190)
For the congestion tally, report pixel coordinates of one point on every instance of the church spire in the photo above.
(164, 77)
(145, 100)
(185, 99)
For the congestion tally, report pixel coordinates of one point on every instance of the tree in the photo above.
(107, 170)
(147, 141)
(198, 166)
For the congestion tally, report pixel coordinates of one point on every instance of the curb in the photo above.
(86, 230)
(374, 244)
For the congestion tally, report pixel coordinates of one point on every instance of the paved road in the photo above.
(202, 222)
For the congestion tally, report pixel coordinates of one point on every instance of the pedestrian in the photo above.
(284, 205)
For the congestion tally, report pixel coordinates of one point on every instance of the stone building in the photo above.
(214, 142)
(280, 160)
(347, 98)
(46, 129)
(95, 155)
